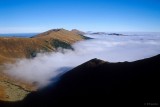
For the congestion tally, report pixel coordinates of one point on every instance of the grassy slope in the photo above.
(13, 48)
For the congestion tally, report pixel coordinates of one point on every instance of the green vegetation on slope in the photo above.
(57, 44)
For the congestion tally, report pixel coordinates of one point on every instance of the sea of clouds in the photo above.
(45, 67)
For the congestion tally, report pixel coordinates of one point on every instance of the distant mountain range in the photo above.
(20, 35)
(101, 83)
(104, 33)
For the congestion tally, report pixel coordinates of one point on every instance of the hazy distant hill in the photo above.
(12, 48)
(18, 35)
(78, 32)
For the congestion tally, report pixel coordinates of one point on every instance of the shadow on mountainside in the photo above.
(97, 82)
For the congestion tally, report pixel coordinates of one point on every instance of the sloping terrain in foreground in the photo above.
(101, 83)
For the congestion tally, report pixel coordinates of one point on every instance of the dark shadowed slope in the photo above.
(99, 82)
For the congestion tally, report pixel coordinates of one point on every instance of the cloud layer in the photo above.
(46, 67)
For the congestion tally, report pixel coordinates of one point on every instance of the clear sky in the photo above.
(23, 16)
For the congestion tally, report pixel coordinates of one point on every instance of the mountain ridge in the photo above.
(97, 82)
(28, 47)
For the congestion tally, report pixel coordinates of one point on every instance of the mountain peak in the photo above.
(60, 33)
(78, 31)
(49, 32)
(90, 64)
(56, 30)
(95, 61)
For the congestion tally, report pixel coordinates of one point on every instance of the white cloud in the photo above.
(45, 67)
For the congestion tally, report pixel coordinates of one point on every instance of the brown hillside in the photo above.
(61, 34)
(13, 48)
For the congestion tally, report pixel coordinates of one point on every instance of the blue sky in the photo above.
(23, 16)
